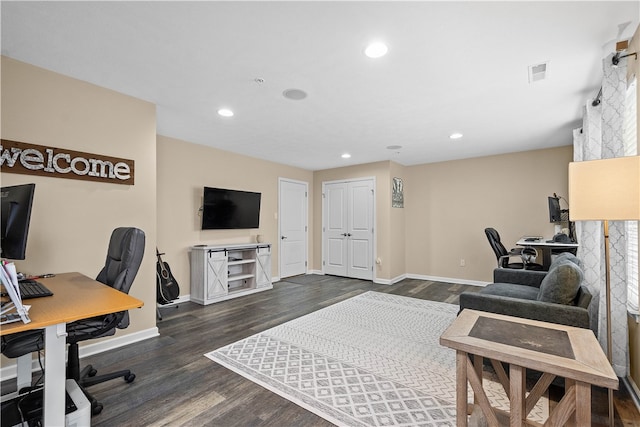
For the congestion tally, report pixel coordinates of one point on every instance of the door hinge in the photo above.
(305, 263)
(323, 263)
(305, 194)
(323, 195)
(305, 228)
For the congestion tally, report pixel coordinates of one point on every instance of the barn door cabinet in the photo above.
(222, 272)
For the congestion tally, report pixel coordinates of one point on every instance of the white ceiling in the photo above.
(451, 66)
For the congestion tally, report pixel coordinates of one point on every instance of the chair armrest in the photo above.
(529, 309)
(518, 277)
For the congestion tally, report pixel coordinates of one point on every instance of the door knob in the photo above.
(283, 237)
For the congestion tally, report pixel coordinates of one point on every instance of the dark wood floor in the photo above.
(177, 385)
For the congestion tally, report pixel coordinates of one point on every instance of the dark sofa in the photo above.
(556, 296)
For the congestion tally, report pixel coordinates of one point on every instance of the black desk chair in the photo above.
(124, 256)
(525, 256)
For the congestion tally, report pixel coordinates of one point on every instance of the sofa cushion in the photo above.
(511, 290)
(561, 283)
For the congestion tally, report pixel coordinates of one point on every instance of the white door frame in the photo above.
(306, 234)
(374, 252)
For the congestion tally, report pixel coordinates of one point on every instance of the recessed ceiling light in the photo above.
(376, 50)
(225, 112)
(346, 156)
(394, 147)
(455, 135)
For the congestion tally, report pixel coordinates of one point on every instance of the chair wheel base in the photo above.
(96, 408)
(130, 378)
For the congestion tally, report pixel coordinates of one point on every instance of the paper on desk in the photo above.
(9, 278)
(9, 269)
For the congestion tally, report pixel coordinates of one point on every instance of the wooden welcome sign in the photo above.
(31, 159)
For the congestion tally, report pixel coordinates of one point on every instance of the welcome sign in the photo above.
(31, 159)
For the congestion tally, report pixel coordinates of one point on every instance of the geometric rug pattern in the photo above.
(371, 360)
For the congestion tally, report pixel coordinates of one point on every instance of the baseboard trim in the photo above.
(447, 280)
(8, 372)
(401, 277)
(392, 281)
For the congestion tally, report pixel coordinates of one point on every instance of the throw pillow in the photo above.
(561, 283)
(566, 256)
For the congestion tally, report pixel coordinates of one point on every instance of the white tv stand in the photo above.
(222, 272)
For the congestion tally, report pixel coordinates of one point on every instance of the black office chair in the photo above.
(526, 256)
(124, 256)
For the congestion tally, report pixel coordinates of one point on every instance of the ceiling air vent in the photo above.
(538, 72)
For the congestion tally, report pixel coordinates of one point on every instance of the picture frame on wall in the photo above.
(397, 193)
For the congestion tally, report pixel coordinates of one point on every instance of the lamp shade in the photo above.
(607, 189)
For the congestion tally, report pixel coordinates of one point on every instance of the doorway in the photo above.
(292, 225)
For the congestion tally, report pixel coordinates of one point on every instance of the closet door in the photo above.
(348, 228)
(335, 228)
(360, 230)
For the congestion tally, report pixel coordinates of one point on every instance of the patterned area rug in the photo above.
(371, 360)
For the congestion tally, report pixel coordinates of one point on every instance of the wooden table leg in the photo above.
(461, 388)
(517, 390)
(583, 404)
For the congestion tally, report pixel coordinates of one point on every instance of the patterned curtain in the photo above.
(601, 137)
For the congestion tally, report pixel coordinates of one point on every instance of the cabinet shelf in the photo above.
(233, 277)
(241, 261)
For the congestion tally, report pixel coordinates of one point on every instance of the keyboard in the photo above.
(33, 289)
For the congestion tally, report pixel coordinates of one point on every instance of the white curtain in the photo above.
(601, 137)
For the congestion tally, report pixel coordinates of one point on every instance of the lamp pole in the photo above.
(607, 282)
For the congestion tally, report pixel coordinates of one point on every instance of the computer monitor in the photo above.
(555, 214)
(15, 215)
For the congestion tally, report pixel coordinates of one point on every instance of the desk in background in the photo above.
(75, 297)
(546, 248)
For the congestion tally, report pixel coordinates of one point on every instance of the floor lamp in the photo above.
(605, 190)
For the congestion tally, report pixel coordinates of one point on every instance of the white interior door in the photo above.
(360, 232)
(335, 228)
(293, 227)
(348, 228)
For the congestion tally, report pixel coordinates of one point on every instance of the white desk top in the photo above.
(545, 242)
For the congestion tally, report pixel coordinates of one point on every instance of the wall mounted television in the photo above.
(230, 209)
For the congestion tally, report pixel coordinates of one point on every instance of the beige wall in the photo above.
(72, 220)
(447, 207)
(449, 204)
(183, 170)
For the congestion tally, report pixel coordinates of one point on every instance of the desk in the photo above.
(555, 350)
(75, 297)
(546, 248)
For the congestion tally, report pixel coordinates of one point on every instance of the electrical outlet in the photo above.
(462, 262)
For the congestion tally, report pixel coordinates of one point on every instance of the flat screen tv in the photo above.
(229, 209)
